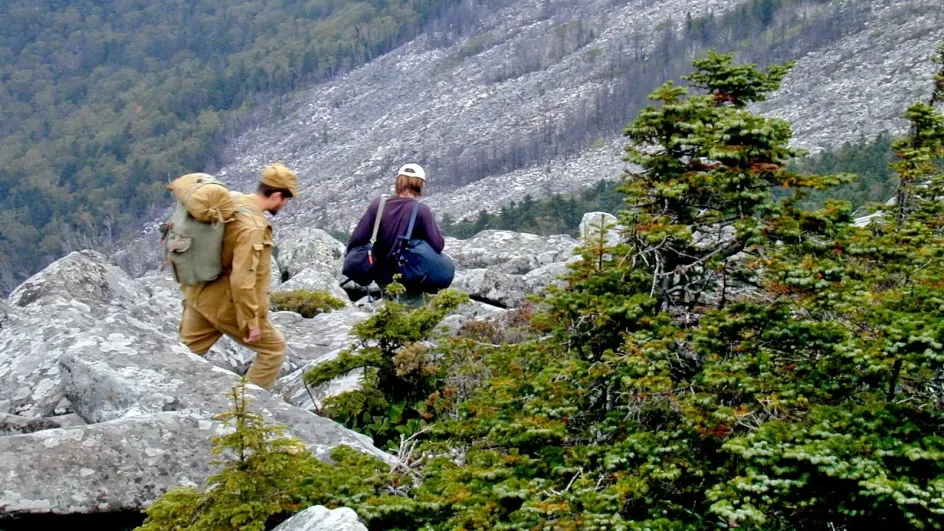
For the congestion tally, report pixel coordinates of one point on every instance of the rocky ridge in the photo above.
(102, 409)
(99, 396)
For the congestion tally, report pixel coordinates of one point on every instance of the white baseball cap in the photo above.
(412, 170)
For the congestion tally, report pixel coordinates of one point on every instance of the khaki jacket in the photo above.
(241, 294)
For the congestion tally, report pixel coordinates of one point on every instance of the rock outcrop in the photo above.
(314, 279)
(103, 409)
(113, 466)
(493, 286)
(501, 268)
(308, 259)
(306, 248)
(86, 277)
(320, 518)
(17, 425)
(600, 225)
(509, 252)
(86, 341)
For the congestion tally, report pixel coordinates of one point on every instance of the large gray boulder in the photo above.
(306, 248)
(316, 279)
(513, 253)
(318, 340)
(30, 352)
(471, 312)
(552, 274)
(113, 466)
(54, 310)
(295, 391)
(90, 341)
(163, 306)
(16, 424)
(319, 518)
(311, 339)
(492, 286)
(85, 276)
(114, 371)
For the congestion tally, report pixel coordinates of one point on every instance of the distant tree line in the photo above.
(868, 159)
(558, 214)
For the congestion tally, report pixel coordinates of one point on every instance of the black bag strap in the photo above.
(380, 211)
(409, 231)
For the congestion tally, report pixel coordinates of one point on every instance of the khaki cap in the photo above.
(278, 176)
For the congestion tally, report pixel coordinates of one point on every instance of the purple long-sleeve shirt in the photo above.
(394, 222)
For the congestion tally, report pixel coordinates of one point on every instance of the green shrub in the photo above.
(262, 476)
(306, 303)
(401, 368)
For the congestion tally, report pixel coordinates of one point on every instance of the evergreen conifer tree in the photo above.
(393, 350)
(261, 476)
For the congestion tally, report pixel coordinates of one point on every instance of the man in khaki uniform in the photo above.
(237, 303)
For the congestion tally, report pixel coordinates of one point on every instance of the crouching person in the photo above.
(237, 303)
(398, 235)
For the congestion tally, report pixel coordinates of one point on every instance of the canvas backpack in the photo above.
(192, 239)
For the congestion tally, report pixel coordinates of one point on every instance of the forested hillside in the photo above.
(105, 101)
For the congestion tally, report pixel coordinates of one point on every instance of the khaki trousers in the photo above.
(200, 332)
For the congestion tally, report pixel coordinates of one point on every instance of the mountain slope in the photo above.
(534, 101)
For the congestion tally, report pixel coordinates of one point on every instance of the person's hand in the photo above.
(254, 335)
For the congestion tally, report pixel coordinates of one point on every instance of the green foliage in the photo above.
(735, 361)
(869, 160)
(105, 102)
(400, 366)
(262, 475)
(736, 84)
(306, 303)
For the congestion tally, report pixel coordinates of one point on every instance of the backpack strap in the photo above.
(409, 231)
(373, 236)
(380, 210)
(401, 240)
